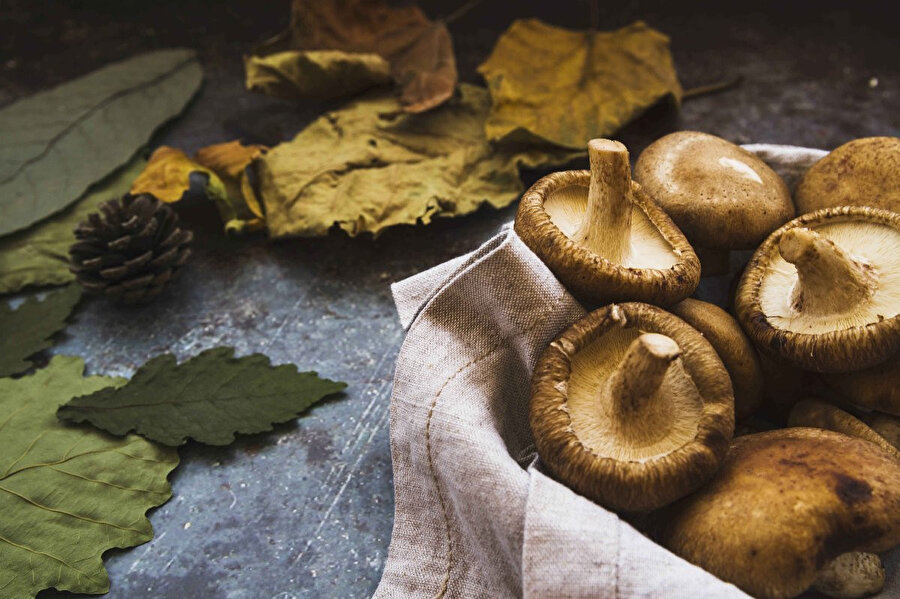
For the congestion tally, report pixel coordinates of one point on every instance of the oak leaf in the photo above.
(28, 329)
(68, 494)
(208, 398)
(39, 255)
(568, 87)
(369, 166)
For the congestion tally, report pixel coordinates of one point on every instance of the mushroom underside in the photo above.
(875, 246)
(647, 248)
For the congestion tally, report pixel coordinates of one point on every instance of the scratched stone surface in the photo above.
(306, 510)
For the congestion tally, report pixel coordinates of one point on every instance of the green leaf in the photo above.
(369, 166)
(28, 329)
(55, 144)
(208, 398)
(39, 255)
(67, 494)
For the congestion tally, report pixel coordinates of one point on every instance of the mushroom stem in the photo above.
(851, 576)
(606, 227)
(640, 374)
(829, 280)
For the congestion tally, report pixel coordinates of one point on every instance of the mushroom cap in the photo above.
(662, 269)
(818, 414)
(850, 337)
(720, 195)
(784, 504)
(575, 428)
(736, 351)
(877, 387)
(862, 172)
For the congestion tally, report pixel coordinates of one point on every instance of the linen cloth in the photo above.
(475, 515)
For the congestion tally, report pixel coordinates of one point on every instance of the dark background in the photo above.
(305, 511)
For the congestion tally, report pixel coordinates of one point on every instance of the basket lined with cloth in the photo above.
(475, 513)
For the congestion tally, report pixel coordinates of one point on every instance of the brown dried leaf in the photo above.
(420, 51)
(568, 87)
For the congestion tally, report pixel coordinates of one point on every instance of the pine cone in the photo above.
(130, 250)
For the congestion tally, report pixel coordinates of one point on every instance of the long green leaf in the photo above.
(55, 144)
(39, 255)
(208, 398)
(67, 494)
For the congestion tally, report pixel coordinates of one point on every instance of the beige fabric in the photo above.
(475, 516)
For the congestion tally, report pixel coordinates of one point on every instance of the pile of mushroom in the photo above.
(635, 405)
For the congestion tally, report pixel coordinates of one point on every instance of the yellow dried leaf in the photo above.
(250, 198)
(370, 165)
(228, 159)
(167, 176)
(568, 87)
(323, 74)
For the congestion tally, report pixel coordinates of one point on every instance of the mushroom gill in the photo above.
(602, 216)
(836, 276)
(642, 408)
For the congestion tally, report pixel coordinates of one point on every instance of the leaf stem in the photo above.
(594, 8)
(460, 12)
(712, 88)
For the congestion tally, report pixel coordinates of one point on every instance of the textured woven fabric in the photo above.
(475, 516)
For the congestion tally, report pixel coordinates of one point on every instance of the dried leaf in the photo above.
(229, 159)
(419, 51)
(322, 74)
(27, 330)
(55, 144)
(167, 176)
(39, 255)
(170, 174)
(69, 493)
(568, 87)
(208, 398)
(369, 166)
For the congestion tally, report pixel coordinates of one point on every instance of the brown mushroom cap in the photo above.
(818, 414)
(631, 407)
(719, 194)
(823, 291)
(736, 351)
(603, 237)
(862, 172)
(782, 506)
(877, 387)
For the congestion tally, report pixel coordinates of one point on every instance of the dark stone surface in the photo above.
(305, 511)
